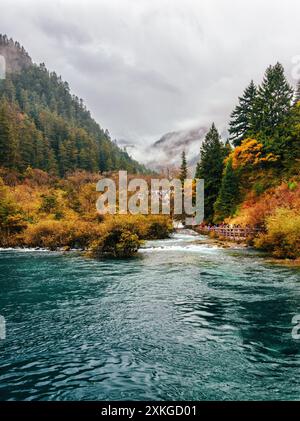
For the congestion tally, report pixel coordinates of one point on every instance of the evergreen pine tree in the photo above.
(183, 168)
(210, 168)
(228, 198)
(242, 118)
(274, 100)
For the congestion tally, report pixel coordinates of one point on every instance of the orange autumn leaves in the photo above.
(251, 153)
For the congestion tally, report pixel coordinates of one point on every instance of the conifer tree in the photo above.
(274, 100)
(242, 118)
(183, 168)
(228, 198)
(210, 168)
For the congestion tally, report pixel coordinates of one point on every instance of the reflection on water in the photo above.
(184, 320)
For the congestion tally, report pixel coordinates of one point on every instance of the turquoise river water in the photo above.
(184, 320)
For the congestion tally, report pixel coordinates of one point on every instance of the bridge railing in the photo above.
(227, 231)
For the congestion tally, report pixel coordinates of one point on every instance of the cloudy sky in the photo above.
(147, 67)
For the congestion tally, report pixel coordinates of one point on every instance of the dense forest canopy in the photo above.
(44, 126)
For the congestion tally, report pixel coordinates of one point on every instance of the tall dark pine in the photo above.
(228, 198)
(274, 101)
(210, 168)
(242, 118)
(183, 168)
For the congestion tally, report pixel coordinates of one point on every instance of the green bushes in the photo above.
(283, 234)
(158, 227)
(118, 242)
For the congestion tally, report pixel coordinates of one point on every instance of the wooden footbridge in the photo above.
(230, 232)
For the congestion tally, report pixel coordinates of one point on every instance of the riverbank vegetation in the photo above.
(43, 211)
(254, 178)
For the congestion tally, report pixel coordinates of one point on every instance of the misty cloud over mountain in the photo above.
(166, 152)
(145, 68)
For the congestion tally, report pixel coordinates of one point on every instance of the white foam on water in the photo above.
(180, 242)
(193, 249)
(23, 250)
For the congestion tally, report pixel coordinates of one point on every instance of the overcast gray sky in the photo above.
(147, 67)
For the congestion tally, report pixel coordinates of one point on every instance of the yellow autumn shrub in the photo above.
(282, 238)
(146, 227)
(56, 234)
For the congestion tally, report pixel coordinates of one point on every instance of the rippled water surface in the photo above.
(183, 321)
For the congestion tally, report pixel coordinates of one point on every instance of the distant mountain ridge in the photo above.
(44, 126)
(170, 146)
(180, 138)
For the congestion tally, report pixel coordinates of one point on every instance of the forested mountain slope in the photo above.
(42, 125)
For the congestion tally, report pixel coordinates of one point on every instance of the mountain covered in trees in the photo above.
(44, 126)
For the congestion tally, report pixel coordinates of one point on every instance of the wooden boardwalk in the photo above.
(231, 233)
